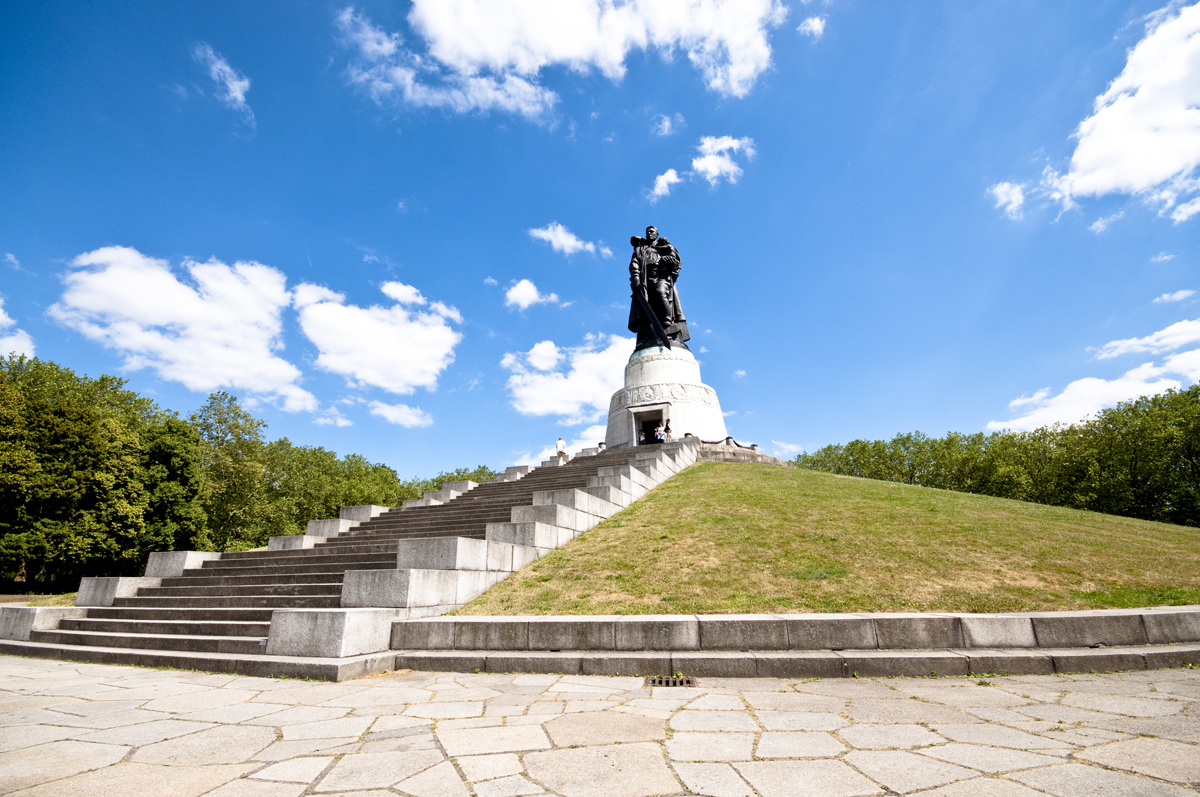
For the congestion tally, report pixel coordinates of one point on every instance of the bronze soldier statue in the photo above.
(656, 314)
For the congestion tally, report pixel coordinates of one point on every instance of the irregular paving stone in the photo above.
(347, 726)
(799, 721)
(713, 721)
(999, 736)
(782, 744)
(710, 746)
(146, 733)
(381, 696)
(113, 719)
(55, 760)
(311, 694)
(1080, 780)
(140, 779)
(486, 767)
(297, 716)
(793, 701)
(245, 787)
(907, 711)
(982, 787)
(604, 728)
(967, 696)
(854, 689)
(445, 710)
(200, 701)
(376, 770)
(31, 735)
(232, 715)
(1124, 704)
(905, 772)
(627, 770)
(441, 780)
(714, 780)
(1181, 729)
(298, 770)
(1158, 758)
(883, 737)
(477, 741)
(988, 759)
(826, 778)
(225, 744)
(1052, 712)
(717, 703)
(511, 786)
(284, 750)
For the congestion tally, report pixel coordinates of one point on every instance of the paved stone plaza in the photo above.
(82, 729)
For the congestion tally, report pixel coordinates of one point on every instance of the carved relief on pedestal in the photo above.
(663, 392)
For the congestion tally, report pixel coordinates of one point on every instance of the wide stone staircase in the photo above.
(322, 604)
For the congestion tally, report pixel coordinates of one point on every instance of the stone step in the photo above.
(282, 590)
(202, 579)
(184, 614)
(804, 664)
(199, 644)
(319, 567)
(308, 556)
(263, 666)
(227, 628)
(234, 602)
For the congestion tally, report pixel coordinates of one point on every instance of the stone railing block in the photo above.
(1166, 627)
(742, 632)
(991, 631)
(330, 633)
(103, 591)
(1085, 631)
(361, 513)
(657, 632)
(329, 528)
(18, 622)
(171, 564)
(531, 535)
(293, 542)
(829, 632)
(442, 553)
(596, 632)
(918, 631)
(399, 589)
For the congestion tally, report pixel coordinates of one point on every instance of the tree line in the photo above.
(1139, 459)
(94, 477)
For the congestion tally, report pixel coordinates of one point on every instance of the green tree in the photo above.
(231, 461)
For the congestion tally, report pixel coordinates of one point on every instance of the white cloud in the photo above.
(1178, 334)
(1186, 210)
(588, 438)
(544, 356)
(1009, 196)
(1036, 398)
(1085, 397)
(1101, 224)
(813, 26)
(703, 350)
(715, 164)
(232, 85)
(1177, 296)
(605, 252)
(333, 418)
(663, 183)
(401, 207)
(489, 281)
(786, 449)
(666, 125)
(401, 414)
(9, 257)
(738, 374)
(387, 72)
(220, 334)
(18, 340)
(578, 385)
(561, 239)
(1162, 257)
(1143, 137)
(488, 55)
(397, 348)
(524, 294)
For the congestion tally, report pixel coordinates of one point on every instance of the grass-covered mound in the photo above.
(730, 538)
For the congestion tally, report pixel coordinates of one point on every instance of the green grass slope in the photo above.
(731, 538)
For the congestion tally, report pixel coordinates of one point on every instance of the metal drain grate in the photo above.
(667, 680)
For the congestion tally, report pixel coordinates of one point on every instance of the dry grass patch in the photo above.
(730, 538)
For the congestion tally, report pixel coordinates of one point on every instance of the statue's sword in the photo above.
(661, 333)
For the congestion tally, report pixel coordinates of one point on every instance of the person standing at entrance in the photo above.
(667, 432)
(561, 449)
(658, 432)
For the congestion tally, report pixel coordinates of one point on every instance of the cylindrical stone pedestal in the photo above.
(663, 384)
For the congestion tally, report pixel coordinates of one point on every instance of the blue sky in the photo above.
(400, 229)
